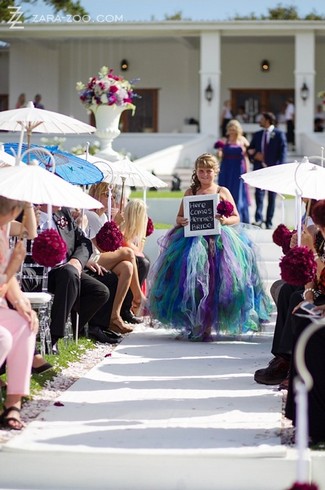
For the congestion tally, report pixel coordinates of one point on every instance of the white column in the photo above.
(304, 73)
(210, 58)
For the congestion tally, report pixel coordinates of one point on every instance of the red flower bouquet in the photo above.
(219, 145)
(298, 266)
(282, 237)
(225, 208)
(109, 237)
(150, 227)
(304, 486)
(49, 249)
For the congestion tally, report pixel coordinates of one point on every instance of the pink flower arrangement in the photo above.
(225, 208)
(150, 227)
(298, 266)
(108, 89)
(49, 248)
(282, 237)
(109, 237)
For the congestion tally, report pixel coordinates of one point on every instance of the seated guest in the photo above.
(276, 373)
(134, 229)
(314, 292)
(73, 288)
(18, 324)
(121, 261)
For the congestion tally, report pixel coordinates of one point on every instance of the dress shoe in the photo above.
(129, 317)
(275, 372)
(96, 333)
(114, 335)
(42, 369)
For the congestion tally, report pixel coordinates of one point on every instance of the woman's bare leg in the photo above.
(109, 260)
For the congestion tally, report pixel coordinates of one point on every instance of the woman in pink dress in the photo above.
(18, 325)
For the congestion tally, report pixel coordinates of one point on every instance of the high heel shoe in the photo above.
(118, 326)
(138, 307)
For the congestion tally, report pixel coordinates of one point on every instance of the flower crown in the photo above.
(107, 89)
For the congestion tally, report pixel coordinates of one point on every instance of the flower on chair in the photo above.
(150, 227)
(108, 89)
(298, 266)
(49, 248)
(282, 237)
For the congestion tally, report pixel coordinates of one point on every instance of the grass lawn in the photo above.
(160, 194)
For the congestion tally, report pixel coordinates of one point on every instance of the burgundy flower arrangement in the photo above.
(109, 237)
(225, 208)
(150, 227)
(282, 237)
(304, 486)
(219, 145)
(49, 248)
(298, 266)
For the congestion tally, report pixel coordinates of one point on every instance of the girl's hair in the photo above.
(233, 123)
(207, 160)
(96, 190)
(9, 205)
(134, 227)
(318, 213)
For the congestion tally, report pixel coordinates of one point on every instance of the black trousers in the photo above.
(315, 362)
(289, 297)
(84, 294)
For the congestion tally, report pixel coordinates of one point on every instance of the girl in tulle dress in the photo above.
(205, 284)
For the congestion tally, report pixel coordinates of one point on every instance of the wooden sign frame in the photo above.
(200, 212)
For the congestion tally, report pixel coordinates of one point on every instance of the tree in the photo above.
(59, 6)
(281, 12)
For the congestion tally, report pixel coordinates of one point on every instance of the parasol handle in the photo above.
(20, 144)
(122, 193)
(52, 160)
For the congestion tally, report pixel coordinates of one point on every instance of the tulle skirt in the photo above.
(205, 283)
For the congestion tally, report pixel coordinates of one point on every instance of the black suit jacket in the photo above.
(79, 246)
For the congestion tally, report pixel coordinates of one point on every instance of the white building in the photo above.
(176, 61)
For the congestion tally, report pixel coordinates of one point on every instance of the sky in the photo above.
(145, 10)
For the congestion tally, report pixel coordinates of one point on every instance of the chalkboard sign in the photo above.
(201, 211)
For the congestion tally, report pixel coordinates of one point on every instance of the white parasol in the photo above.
(6, 159)
(32, 183)
(299, 179)
(304, 178)
(134, 175)
(31, 119)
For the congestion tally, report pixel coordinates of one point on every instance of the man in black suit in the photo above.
(268, 147)
(73, 288)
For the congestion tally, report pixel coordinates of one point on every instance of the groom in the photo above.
(268, 147)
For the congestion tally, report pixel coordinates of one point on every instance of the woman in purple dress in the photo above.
(232, 153)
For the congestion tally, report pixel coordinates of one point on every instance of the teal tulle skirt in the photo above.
(208, 283)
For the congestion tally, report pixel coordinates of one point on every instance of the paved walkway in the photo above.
(190, 405)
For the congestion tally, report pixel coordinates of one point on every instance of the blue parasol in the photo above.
(68, 166)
